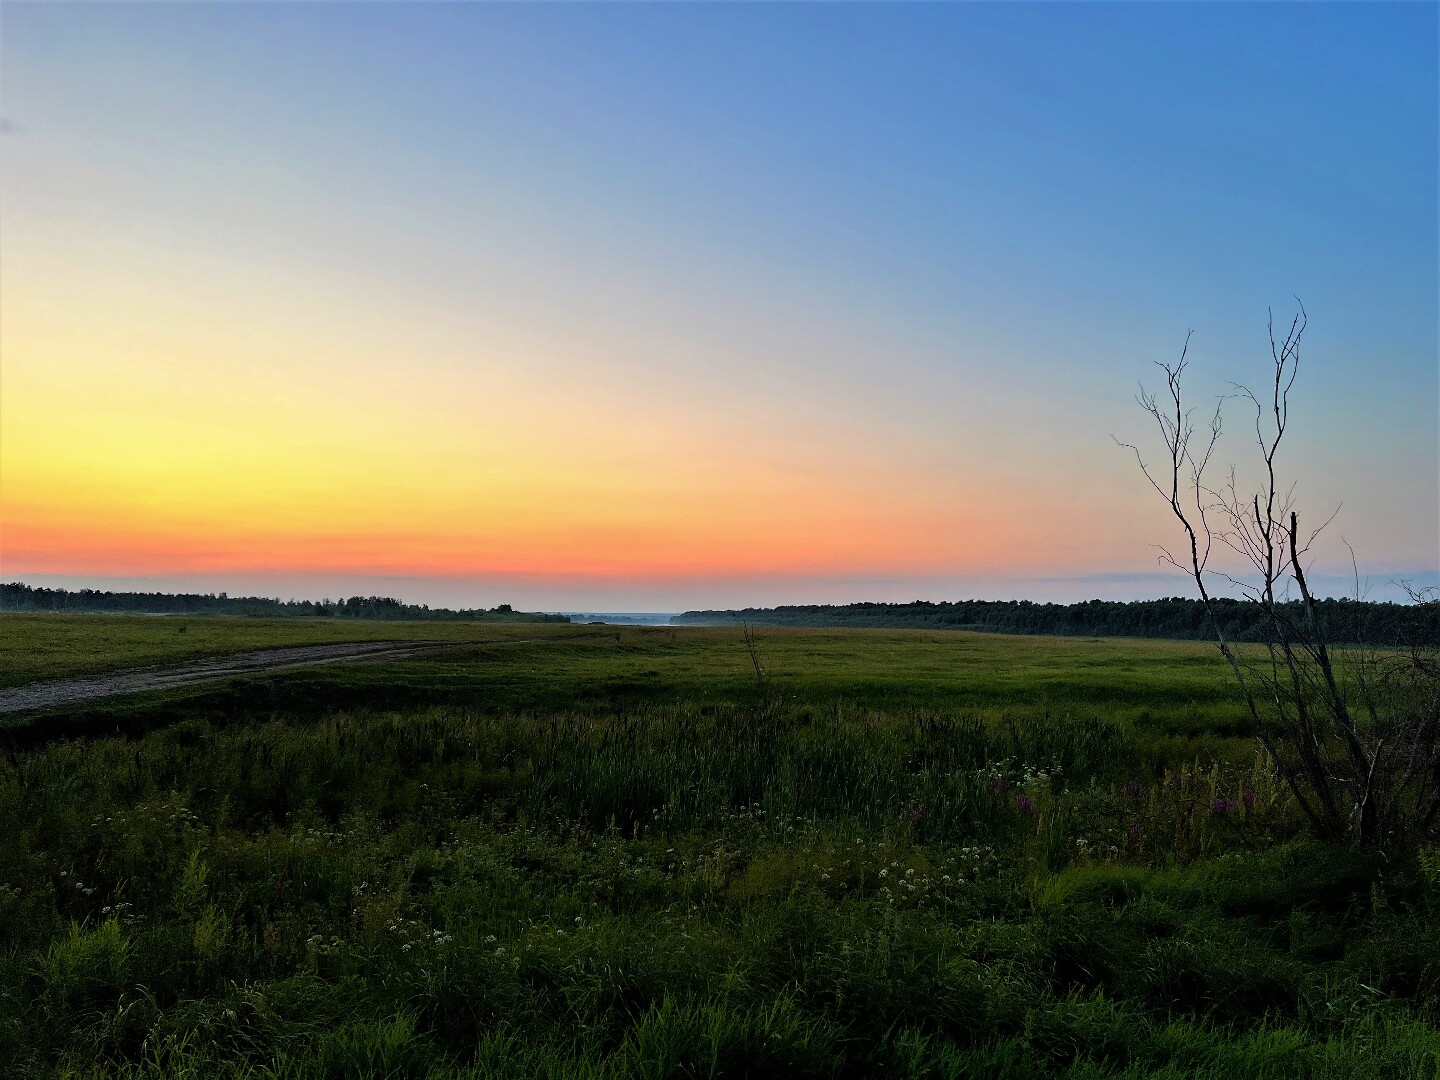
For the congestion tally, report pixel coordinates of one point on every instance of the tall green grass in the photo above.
(695, 888)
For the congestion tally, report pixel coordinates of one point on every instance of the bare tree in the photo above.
(1352, 730)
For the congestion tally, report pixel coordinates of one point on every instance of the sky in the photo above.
(654, 307)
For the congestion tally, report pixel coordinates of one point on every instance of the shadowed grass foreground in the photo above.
(607, 852)
(694, 890)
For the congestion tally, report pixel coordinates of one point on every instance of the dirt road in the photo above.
(71, 691)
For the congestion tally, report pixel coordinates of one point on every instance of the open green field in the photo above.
(613, 852)
(36, 646)
(1163, 686)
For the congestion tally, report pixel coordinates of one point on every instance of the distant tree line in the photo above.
(1355, 621)
(17, 596)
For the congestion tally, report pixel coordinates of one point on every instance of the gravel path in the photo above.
(70, 691)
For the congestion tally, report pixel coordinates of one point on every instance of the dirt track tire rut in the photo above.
(61, 692)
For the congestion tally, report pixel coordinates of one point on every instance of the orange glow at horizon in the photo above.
(135, 494)
(194, 414)
(801, 537)
(135, 516)
(150, 428)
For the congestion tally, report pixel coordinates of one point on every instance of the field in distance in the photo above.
(1169, 684)
(40, 645)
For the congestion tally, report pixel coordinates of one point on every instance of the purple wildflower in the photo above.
(1221, 807)
(1023, 804)
(1134, 789)
(1248, 798)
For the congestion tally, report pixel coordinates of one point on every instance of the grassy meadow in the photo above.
(614, 852)
(36, 646)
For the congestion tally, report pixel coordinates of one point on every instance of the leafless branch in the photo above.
(1345, 728)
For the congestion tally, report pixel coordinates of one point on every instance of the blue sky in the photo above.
(874, 281)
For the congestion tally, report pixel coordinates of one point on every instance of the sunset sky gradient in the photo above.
(632, 307)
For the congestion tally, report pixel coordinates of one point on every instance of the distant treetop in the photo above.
(1358, 621)
(17, 596)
